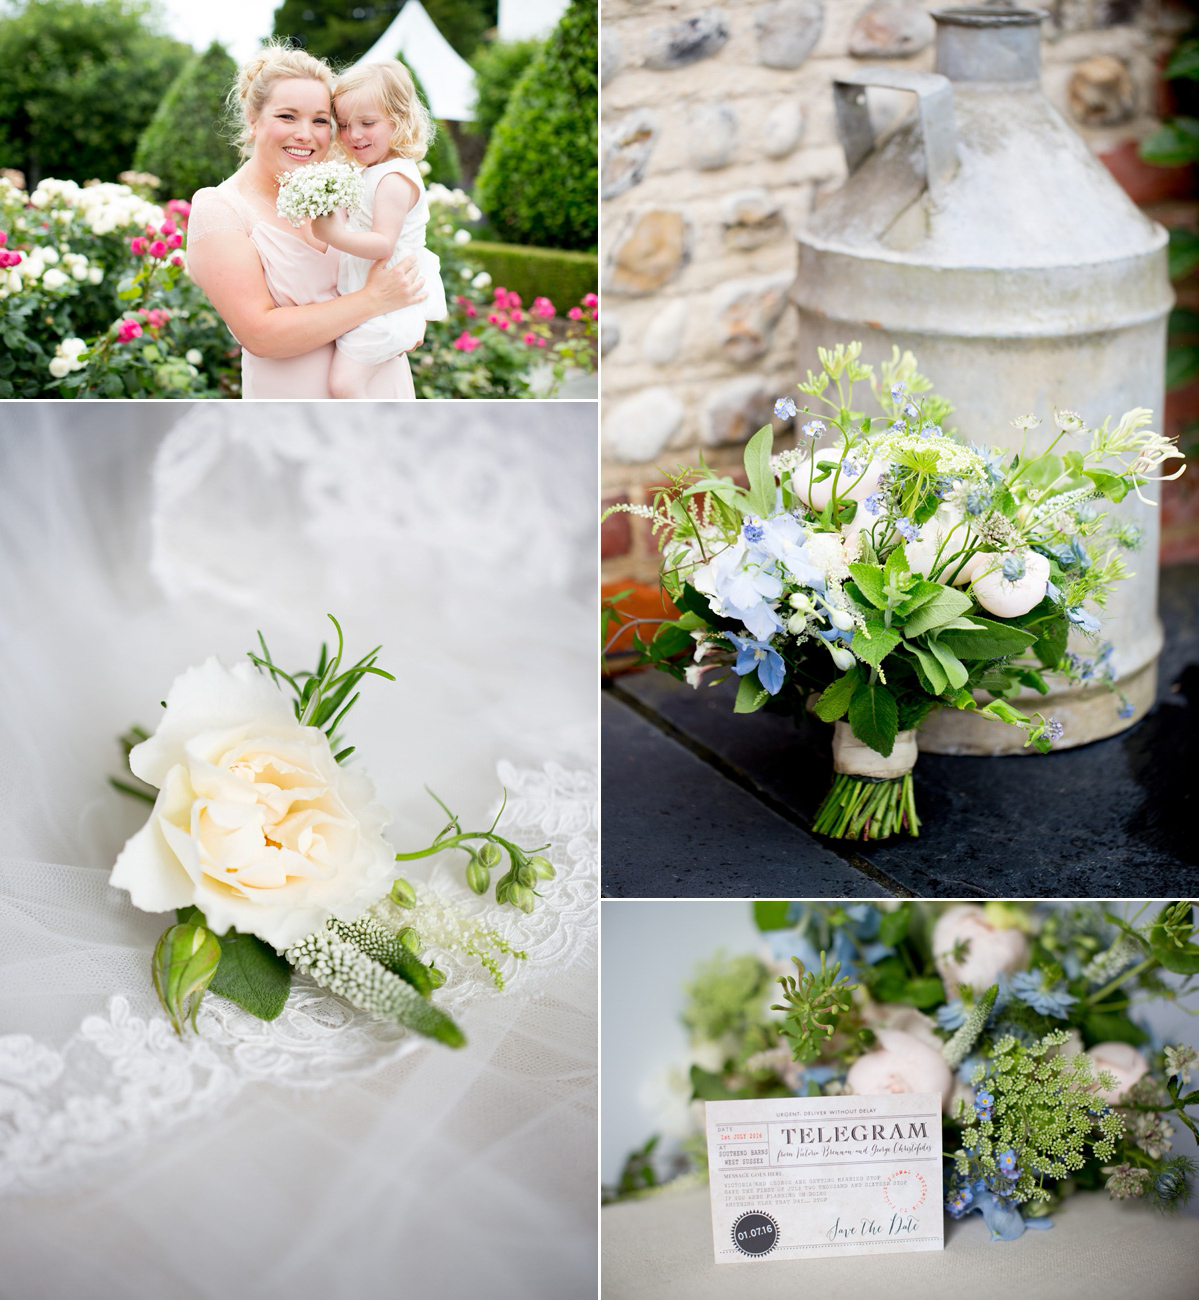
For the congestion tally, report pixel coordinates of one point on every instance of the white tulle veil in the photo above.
(326, 1154)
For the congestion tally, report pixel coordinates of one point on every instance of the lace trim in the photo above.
(122, 1079)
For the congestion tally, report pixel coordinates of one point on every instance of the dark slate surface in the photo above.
(723, 801)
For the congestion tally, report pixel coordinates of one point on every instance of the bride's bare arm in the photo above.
(227, 268)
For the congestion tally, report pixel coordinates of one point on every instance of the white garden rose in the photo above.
(970, 952)
(1124, 1062)
(255, 823)
(901, 1064)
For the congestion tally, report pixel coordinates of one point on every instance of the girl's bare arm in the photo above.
(395, 197)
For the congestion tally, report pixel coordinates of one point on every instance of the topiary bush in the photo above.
(498, 69)
(537, 184)
(184, 145)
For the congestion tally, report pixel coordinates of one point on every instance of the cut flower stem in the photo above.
(869, 809)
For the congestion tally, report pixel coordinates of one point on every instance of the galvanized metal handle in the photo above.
(934, 97)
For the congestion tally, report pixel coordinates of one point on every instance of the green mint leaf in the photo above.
(935, 678)
(946, 605)
(874, 717)
(835, 697)
(253, 975)
(989, 640)
(955, 670)
(881, 642)
(869, 580)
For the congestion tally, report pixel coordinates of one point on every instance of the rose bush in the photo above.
(902, 1064)
(255, 822)
(970, 952)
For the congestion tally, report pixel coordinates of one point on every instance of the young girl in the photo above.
(385, 128)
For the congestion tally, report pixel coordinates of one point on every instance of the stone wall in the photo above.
(717, 140)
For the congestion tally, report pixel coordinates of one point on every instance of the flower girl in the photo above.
(385, 128)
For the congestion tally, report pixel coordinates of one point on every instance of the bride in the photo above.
(275, 286)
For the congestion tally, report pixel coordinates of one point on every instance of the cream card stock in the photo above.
(806, 1177)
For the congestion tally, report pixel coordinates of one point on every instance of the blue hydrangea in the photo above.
(784, 408)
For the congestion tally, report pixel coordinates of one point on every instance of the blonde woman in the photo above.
(275, 286)
(382, 126)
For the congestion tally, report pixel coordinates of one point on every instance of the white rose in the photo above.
(902, 1064)
(54, 279)
(461, 236)
(255, 824)
(482, 280)
(987, 951)
(194, 356)
(50, 254)
(60, 366)
(95, 274)
(72, 348)
(1124, 1061)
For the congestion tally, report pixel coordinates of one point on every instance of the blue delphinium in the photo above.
(784, 408)
(1029, 987)
(759, 655)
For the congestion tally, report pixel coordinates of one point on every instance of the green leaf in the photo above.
(990, 641)
(412, 1011)
(1107, 1027)
(880, 644)
(670, 640)
(1182, 959)
(929, 992)
(771, 914)
(1184, 253)
(751, 695)
(869, 579)
(253, 975)
(955, 670)
(947, 605)
(1182, 365)
(1042, 471)
(761, 478)
(874, 717)
(1184, 62)
(920, 594)
(897, 568)
(936, 678)
(1175, 144)
(1051, 645)
(835, 697)
(893, 926)
(1111, 485)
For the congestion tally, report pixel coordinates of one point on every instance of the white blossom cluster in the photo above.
(455, 198)
(344, 969)
(317, 190)
(66, 357)
(52, 268)
(102, 208)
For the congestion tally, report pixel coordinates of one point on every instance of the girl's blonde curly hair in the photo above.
(394, 92)
(276, 61)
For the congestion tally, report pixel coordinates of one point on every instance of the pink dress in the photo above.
(296, 274)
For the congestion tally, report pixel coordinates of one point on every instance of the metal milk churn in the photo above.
(985, 237)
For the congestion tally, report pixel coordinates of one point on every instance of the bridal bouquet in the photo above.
(316, 190)
(895, 572)
(1021, 1015)
(269, 847)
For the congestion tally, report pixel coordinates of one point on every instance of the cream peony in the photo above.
(255, 824)
(902, 1064)
(1124, 1061)
(986, 951)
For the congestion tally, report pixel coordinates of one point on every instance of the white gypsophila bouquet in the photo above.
(316, 190)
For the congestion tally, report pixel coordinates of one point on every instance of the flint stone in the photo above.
(736, 412)
(782, 129)
(889, 29)
(1102, 92)
(664, 337)
(712, 136)
(788, 31)
(751, 218)
(746, 312)
(652, 250)
(611, 55)
(609, 333)
(627, 148)
(687, 42)
(638, 429)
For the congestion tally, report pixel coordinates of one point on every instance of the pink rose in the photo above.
(129, 330)
(158, 249)
(138, 246)
(590, 300)
(531, 340)
(175, 240)
(544, 308)
(901, 1064)
(575, 313)
(466, 343)
(971, 953)
(3, 238)
(1124, 1061)
(168, 227)
(176, 260)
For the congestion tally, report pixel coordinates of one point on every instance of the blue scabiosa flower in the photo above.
(784, 408)
(984, 1103)
(907, 530)
(1029, 987)
(1009, 1165)
(759, 655)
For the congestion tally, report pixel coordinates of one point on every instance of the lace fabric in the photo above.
(131, 549)
(216, 208)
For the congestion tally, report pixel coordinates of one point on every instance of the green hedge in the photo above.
(561, 277)
(444, 164)
(186, 145)
(537, 183)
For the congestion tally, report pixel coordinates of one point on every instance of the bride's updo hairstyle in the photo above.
(391, 87)
(274, 62)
